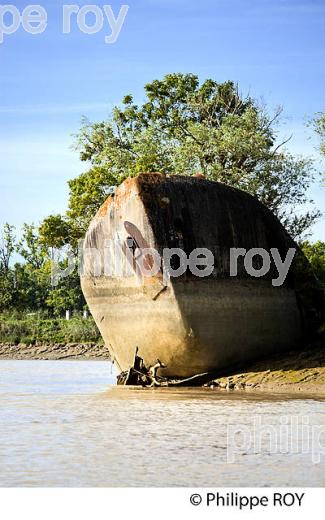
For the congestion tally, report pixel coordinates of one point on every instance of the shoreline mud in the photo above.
(57, 351)
(299, 371)
(293, 372)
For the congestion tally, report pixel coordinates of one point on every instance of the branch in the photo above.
(281, 144)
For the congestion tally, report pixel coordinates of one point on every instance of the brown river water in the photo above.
(63, 423)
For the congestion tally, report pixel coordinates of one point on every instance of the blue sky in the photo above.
(275, 49)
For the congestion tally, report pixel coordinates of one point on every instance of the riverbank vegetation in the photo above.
(32, 306)
(32, 328)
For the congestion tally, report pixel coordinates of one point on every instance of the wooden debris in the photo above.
(140, 375)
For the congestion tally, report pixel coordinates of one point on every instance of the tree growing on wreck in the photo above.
(185, 127)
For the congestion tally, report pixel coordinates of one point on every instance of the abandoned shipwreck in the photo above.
(194, 324)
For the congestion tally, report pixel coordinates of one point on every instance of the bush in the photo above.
(38, 328)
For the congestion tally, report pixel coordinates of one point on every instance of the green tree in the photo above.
(7, 278)
(315, 253)
(54, 232)
(57, 231)
(31, 248)
(7, 247)
(31, 287)
(319, 125)
(66, 294)
(184, 127)
(32, 275)
(87, 192)
(27, 284)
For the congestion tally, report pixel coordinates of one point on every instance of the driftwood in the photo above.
(140, 375)
(137, 375)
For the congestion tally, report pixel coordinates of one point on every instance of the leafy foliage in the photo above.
(7, 247)
(26, 285)
(315, 253)
(37, 327)
(184, 127)
(319, 124)
(31, 308)
(55, 232)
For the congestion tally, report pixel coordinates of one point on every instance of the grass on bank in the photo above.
(37, 328)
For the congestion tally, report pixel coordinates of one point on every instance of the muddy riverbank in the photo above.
(297, 371)
(54, 352)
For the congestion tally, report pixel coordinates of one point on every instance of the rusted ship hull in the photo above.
(197, 327)
(192, 324)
